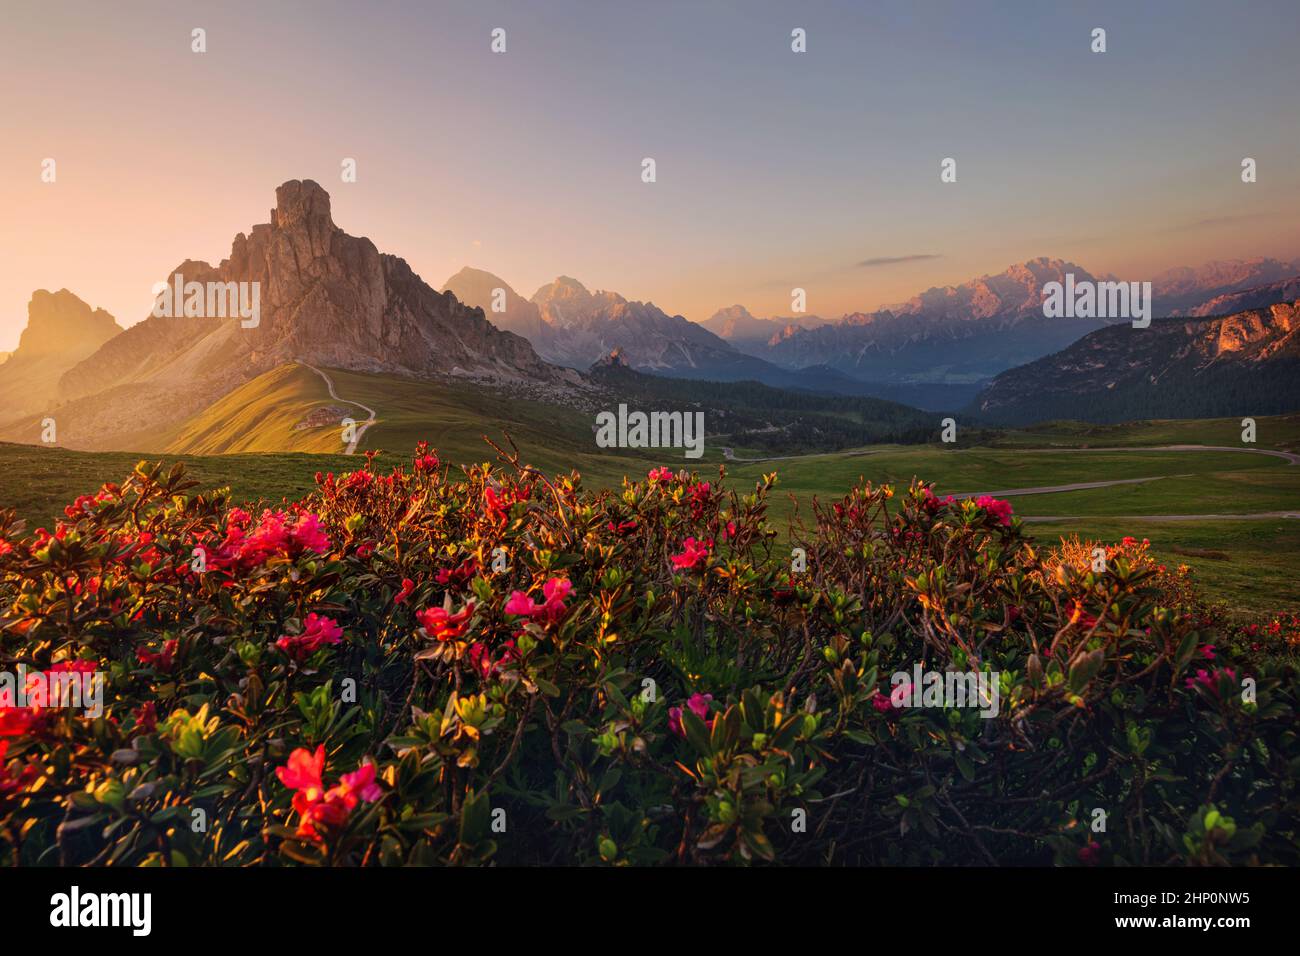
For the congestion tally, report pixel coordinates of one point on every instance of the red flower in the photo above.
(277, 534)
(425, 461)
(694, 554)
(459, 576)
(1078, 615)
(1090, 855)
(161, 660)
(661, 474)
(998, 509)
(408, 586)
(933, 504)
(146, 717)
(317, 807)
(698, 497)
(498, 505)
(442, 625)
(317, 632)
(480, 658)
(18, 721)
(303, 772)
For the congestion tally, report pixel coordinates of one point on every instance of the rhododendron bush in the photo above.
(436, 665)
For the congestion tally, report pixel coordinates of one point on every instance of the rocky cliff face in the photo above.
(1284, 290)
(325, 297)
(1242, 364)
(61, 331)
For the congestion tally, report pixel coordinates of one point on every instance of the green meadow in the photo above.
(248, 441)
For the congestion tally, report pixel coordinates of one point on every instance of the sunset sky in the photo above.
(775, 169)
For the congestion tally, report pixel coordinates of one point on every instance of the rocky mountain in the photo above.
(479, 290)
(323, 297)
(737, 326)
(573, 327)
(61, 331)
(1194, 290)
(954, 334)
(1257, 297)
(580, 327)
(1198, 367)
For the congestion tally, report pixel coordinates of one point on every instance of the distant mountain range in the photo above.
(332, 300)
(1196, 367)
(571, 326)
(935, 351)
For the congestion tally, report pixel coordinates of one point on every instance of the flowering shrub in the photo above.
(435, 666)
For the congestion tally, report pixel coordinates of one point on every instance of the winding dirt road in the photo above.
(361, 426)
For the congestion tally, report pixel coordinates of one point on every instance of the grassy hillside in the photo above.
(39, 481)
(453, 417)
(1272, 431)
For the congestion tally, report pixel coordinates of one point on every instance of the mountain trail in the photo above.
(362, 426)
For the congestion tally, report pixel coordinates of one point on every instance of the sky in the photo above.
(774, 169)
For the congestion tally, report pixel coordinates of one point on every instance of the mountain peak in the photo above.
(61, 322)
(301, 202)
(570, 284)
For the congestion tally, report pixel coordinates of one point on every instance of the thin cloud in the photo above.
(894, 260)
(1218, 221)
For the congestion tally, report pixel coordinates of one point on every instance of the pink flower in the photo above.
(661, 474)
(276, 534)
(317, 632)
(694, 554)
(697, 704)
(303, 772)
(318, 808)
(358, 784)
(1209, 681)
(552, 608)
(308, 535)
(998, 509)
(520, 603)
